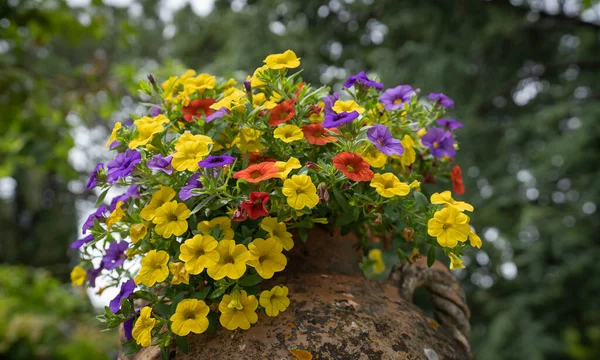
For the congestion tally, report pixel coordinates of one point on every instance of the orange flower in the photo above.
(257, 173)
(353, 166)
(197, 108)
(317, 135)
(282, 112)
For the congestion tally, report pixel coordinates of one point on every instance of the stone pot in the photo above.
(335, 313)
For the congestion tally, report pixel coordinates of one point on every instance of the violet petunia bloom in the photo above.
(155, 111)
(114, 144)
(443, 100)
(217, 114)
(115, 255)
(93, 181)
(79, 243)
(329, 101)
(450, 124)
(98, 214)
(381, 137)
(334, 120)
(362, 79)
(132, 192)
(92, 274)
(440, 142)
(186, 191)
(122, 166)
(394, 98)
(218, 160)
(127, 289)
(160, 163)
(127, 328)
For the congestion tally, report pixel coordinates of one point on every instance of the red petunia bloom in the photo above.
(240, 214)
(353, 166)
(258, 172)
(255, 207)
(258, 157)
(282, 112)
(316, 134)
(457, 180)
(197, 108)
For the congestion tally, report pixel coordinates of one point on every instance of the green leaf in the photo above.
(218, 292)
(201, 295)
(341, 200)
(303, 234)
(431, 256)
(163, 309)
(250, 280)
(420, 199)
(145, 87)
(202, 204)
(100, 199)
(182, 343)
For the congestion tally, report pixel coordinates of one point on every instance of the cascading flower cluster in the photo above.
(223, 179)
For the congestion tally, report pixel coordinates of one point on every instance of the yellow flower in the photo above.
(113, 134)
(154, 268)
(142, 331)
(233, 99)
(374, 157)
(285, 167)
(78, 276)
(288, 133)
(446, 199)
(377, 261)
(201, 82)
(189, 150)
(388, 185)
(238, 310)
(229, 83)
(170, 219)
(232, 261)
(455, 262)
(415, 184)
(190, 316)
(137, 232)
(409, 156)
(286, 60)
(449, 226)
(147, 127)
(221, 226)
(260, 99)
(266, 257)
(347, 106)
(199, 253)
(275, 300)
(421, 132)
(248, 140)
(474, 240)
(300, 192)
(169, 86)
(163, 195)
(180, 275)
(117, 215)
(277, 231)
(255, 82)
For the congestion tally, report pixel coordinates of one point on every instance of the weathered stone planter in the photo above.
(336, 313)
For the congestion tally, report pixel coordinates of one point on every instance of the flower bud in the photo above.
(378, 219)
(315, 110)
(313, 166)
(415, 255)
(240, 214)
(428, 178)
(323, 193)
(409, 234)
(153, 82)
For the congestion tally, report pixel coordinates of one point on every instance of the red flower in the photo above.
(457, 180)
(353, 166)
(240, 214)
(258, 157)
(197, 108)
(317, 135)
(255, 207)
(282, 112)
(314, 110)
(258, 172)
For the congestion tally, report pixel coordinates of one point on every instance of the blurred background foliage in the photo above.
(525, 75)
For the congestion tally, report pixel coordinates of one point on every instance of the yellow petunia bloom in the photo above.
(154, 268)
(238, 310)
(201, 82)
(78, 276)
(409, 156)
(199, 253)
(232, 261)
(275, 300)
(285, 167)
(113, 134)
(449, 226)
(255, 82)
(189, 150)
(474, 240)
(286, 60)
(248, 140)
(168, 87)
(147, 127)
(233, 99)
(421, 132)
(446, 199)
(221, 226)
(455, 262)
(190, 316)
(266, 257)
(415, 184)
(180, 274)
(374, 157)
(137, 232)
(277, 231)
(300, 192)
(347, 106)
(163, 195)
(388, 185)
(377, 261)
(288, 133)
(117, 215)
(170, 219)
(142, 330)
(229, 83)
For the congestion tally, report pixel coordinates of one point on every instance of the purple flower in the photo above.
(79, 243)
(450, 124)
(158, 162)
(132, 192)
(217, 114)
(122, 166)
(219, 160)
(381, 137)
(127, 289)
(92, 274)
(394, 98)
(93, 181)
(127, 328)
(440, 142)
(114, 144)
(115, 255)
(443, 100)
(98, 214)
(329, 101)
(155, 111)
(185, 192)
(334, 120)
(362, 79)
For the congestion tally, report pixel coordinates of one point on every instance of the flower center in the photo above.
(436, 144)
(283, 114)
(255, 174)
(199, 252)
(172, 217)
(381, 141)
(350, 168)
(446, 226)
(261, 259)
(318, 134)
(189, 315)
(397, 101)
(228, 259)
